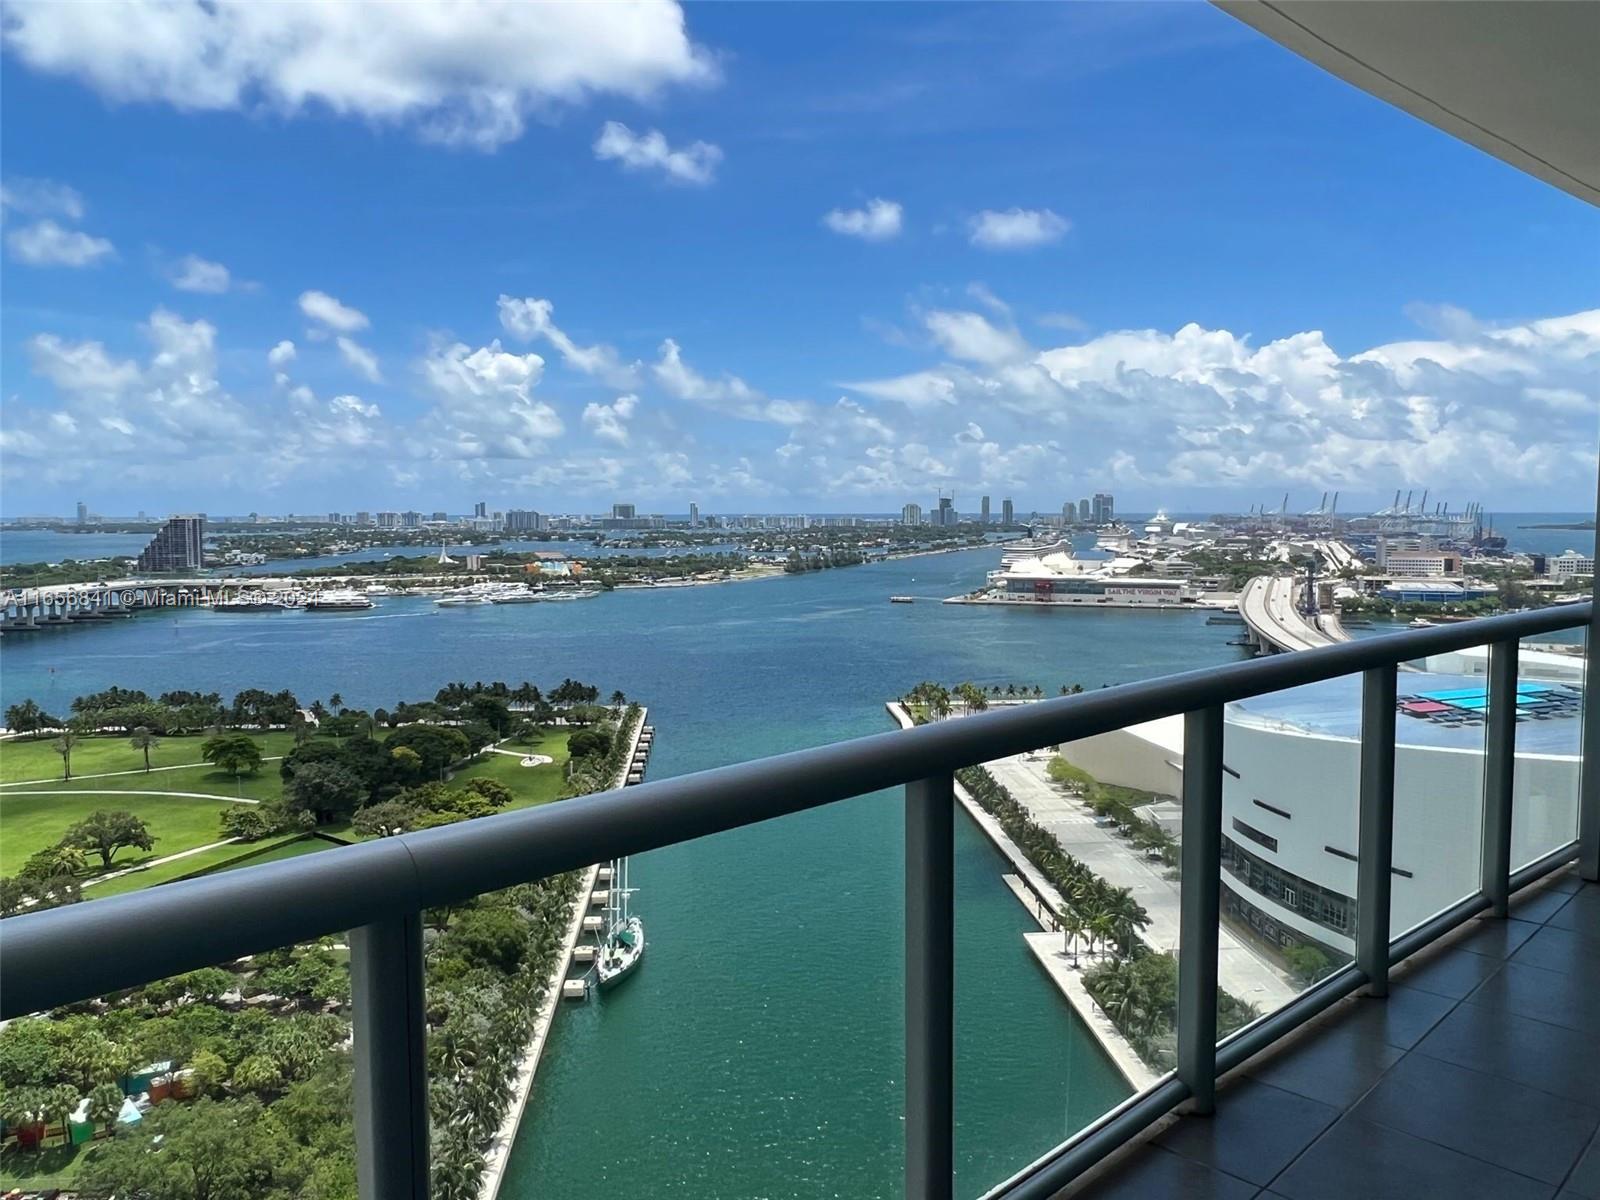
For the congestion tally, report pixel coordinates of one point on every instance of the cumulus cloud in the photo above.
(531, 318)
(324, 309)
(486, 404)
(47, 244)
(359, 359)
(192, 273)
(282, 354)
(879, 221)
(610, 421)
(1016, 228)
(41, 198)
(695, 163)
(459, 74)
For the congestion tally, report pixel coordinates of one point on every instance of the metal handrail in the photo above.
(378, 889)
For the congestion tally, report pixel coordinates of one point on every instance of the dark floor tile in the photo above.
(1534, 1053)
(1539, 904)
(1495, 937)
(1256, 1132)
(1453, 973)
(1531, 1133)
(1552, 996)
(1402, 1019)
(1581, 913)
(1585, 1177)
(1153, 1171)
(1374, 1162)
(1333, 1066)
(1567, 879)
(1568, 951)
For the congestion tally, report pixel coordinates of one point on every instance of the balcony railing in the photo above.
(378, 890)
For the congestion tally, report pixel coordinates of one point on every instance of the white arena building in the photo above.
(1290, 787)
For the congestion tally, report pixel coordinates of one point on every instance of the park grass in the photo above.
(530, 785)
(29, 824)
(35, 758)
(55, 1166)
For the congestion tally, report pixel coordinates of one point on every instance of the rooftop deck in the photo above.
(1479, 1076)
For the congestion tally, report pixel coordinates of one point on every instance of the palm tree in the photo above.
(143, 739)
(63, 746)
(618, 699)
(60, 1101)
(336, 702)
(22, 1107)
(1102, 926)
(1072, 928)
(105, 1102)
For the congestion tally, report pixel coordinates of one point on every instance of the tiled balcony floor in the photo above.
(1479, 1076)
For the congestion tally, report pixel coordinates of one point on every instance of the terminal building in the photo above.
(1059, 578)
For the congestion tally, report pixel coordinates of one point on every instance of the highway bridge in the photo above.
(1271, 608)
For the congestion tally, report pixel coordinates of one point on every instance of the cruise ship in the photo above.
(1060, 578)
(338, 600)
(490, 593)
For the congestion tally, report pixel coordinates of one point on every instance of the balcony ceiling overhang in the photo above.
(1519, 79)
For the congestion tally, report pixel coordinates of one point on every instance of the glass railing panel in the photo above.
(1550, 698)
(132, 1091)
(1037, 928)
(1290, 839)
(1440, 728)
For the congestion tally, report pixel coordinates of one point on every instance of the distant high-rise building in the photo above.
(525, 521)
(623, 512)
(480, 509)
(983, 512)
(389, 520)
(1069, 513)
(411, 520)
(1103, 511)
(945, 515)
(694, 515)
(83, 513)
(177, 546)
(911, 514)
(363, 518)
(440, 517)
(334, 518)
(1008, 513)
(1085, 510)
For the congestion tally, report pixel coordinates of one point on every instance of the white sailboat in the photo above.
(622, 940)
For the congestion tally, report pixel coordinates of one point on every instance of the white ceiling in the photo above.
(1519, 79)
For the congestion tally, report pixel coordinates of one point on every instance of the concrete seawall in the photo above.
(1045, 904)
(499, 1152)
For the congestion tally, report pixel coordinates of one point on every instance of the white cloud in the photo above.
(1016, 228)
(695, 163)
(530, 318)
(730, 394)
(970, 337)
(282, 354)
(47, 244)
(487, 408)
(877, 222)
(195, 274)
(41, 198)
(359, 359)
(460, 74)
(321, 307)
(610, 421)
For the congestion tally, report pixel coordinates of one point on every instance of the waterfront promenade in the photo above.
(1240, 971)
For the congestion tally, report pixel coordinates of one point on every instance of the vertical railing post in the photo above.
(1199, 912)
(1499, 775)
(390, 1058)
(930, 988)
(1376, 837)
(1589, 779)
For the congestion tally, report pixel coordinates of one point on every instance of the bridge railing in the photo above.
(378, 890)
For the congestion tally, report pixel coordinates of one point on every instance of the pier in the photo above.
(562, 985)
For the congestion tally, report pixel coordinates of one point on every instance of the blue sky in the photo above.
(1071, 248)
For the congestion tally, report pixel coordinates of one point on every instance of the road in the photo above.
(1269, 605)
(1239, 970)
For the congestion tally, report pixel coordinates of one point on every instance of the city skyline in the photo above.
(405, 301)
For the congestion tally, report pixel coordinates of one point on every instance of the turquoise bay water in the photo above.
(758, 1052)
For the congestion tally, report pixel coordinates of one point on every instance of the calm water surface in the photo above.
(759, 1050)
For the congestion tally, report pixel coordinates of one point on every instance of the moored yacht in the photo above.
(338, 600)
(622, 940)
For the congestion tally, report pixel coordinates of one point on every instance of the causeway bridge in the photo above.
(1271, 606)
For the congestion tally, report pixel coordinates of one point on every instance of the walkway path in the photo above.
(1239, 970)
(156, 862)
(134, 792)
(114, 774)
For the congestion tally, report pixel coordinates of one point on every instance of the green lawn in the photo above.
(54, 1166)
(30, 823)
(532, 785)
(36, 759)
